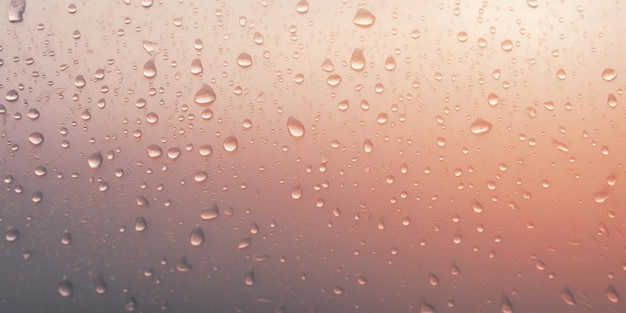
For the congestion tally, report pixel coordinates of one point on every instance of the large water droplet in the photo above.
(364, 18)
(333, 80)
(205, 95)
(480, 127)
(95, 160)
(390, 63)
(612, 294)
(368, 146)
(568, 297)
(200, 176)
(295, 127)
(611, 101)
(65, 288)
(493, 99)
(507, 45)
(609, 74)
(327, 65)
(11, 234)
(140, 224)
(16, 10)
(231, 144)
(210, 213)
(244, 60)
(357, 61)
(196, 67)
(196, 237)
(153, 151)
(80, 82)
(36, 139)
(302, 6)
(601, 196)
(149, 69)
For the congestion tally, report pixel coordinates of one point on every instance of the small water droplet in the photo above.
(357, 61)
(601, 196)
(296, 192)
(532, 3)
(560, 146)
(433, 280)
(390, 63)
(295, 128)
(244, 60)
(153, 151)
(568, 297)
(231, 144)
(302, 6)
(333, 80)
(182, 265)
(493, 99)
(149, 69)
(506, 306)
(611, 101)
(196, 237)
(609, 74)
(205, 95)
(66, 238)
(368, 146)
(80, 82)
(65, 288)
(100, 285)
(200, 176)
(244, 243)
(480, 127)
(327, 65)
(140, 224)
(210, 213)
(95, 160)
(612, 294)
(196, 67)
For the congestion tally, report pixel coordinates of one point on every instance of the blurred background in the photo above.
(312, 156)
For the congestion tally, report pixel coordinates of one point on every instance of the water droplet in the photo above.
(441, 141)
(327, 65)
(601, 196)
(612, 294)
(560, 74)
(16, 10)
(609, 74)
(231, 144)
(249, 278)
(173, 153)
(493, 99)
(343, 105)
(295, 128)
(182, 265)
(80, 82)
(368, 146)
(382, 118)
(357, 61)
(462, 36)
(426, 308)
(480, 127)
(380, 224)
(457, 238)
(153, 151)
(205, 95)
(333, 80)
(390, 63)
(302, 6)
(142, 201)
(244, 60)
(611, 101)
(151, 47)
(95, 160)
(196, 67)
(532, 3)
(65, 288)
(196, 237)
(100, 284)
(210, 213)
(11, 234)
(506, 306)
(296, 192)
(507, 45)
(560, 146)
(140, 224)
(568, 297)
(149, 69)
(364, 18)
(244, 243)
(36, 139)
(66, 238)
(200, 176)
(433, 280)
(205, 150)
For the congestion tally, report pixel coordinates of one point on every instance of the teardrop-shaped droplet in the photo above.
(244, 243)
(140, 224)
(609, 74)
(150, 47)
(333, 80)
(65, 288)
(231, 144)
(364, 18)
(611, 101)
(480, 127)
(568, 297)
(296, 192)
(205, 95)
(80, 81)
(390, 63)
(11, 234)
(66, 238)
(295, 127)
(153, 151)
(183, 266)
(142, 201)
(149, 69)
(368, 146)
(35, 139)
(249, 278)
(95, 160)
(433, 280)
(327, 66)
(477, 207)
(196, 67)
(210, 213)
(357, 61)
(196, 237)
(16, 10)
(244, 60)
(100, 285)
(506, 306)
(612, 294)
(426, 308)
